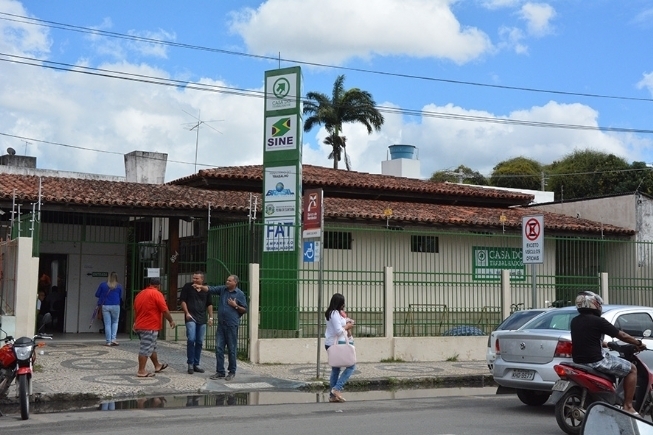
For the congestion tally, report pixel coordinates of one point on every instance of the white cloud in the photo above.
(538, 17)
(646, 82)
(644, 18)
(512, 37)
(446, 143)
(335, 31)
(18, 38)
(121, 49)
(499, 4)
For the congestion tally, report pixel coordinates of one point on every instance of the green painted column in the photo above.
(282, 184)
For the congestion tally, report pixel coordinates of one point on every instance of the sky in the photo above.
(463, 81)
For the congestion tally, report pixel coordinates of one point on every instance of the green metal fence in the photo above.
(442, 279)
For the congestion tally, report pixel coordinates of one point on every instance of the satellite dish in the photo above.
(11, 151)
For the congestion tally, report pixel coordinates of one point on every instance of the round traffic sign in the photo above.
(532, 229)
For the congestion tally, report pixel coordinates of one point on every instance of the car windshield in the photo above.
(552, 320)
(517, 319)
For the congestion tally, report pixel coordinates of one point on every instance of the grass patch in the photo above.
(453, 358)
(392, 360)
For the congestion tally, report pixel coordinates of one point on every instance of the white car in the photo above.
(511, 323)
(525, 358)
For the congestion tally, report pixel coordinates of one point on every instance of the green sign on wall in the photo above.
(489, 261)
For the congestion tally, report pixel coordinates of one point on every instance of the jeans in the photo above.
(195, 339)
(110, 317)
(226, 335)
(337, 381)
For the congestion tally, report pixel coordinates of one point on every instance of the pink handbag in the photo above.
(341, 354)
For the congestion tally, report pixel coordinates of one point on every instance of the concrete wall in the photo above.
(304, 350)
(615, 210)
(26, 285)
(145, 167)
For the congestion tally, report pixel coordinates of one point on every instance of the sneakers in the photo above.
(230, 376)
(198, 369)
(217, 376)
(190, 369)
(335, 393)
(333, 399)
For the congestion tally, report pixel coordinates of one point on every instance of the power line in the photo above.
(100, 72)
(24, 138)
(63, 26)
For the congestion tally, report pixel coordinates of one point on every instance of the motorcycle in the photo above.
(16, 362)
(579, 386)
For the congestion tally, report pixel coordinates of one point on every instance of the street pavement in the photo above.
(81, 368)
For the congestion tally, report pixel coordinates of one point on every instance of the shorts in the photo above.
(148, 342)
(612, 365)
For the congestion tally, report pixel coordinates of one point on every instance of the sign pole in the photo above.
(533, 285)
(320, 287)
(533, 248)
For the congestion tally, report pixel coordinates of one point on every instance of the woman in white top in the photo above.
(337, 328)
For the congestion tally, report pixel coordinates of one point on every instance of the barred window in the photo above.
(337, 240)
(424, 244)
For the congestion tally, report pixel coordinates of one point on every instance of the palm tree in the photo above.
(352, 105)
(338, 143)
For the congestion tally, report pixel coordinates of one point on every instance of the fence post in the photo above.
(253, 311)
(605, 293)
(506, 299)
(389, 287)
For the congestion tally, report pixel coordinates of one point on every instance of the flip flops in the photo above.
(163, 367)
(149, 375)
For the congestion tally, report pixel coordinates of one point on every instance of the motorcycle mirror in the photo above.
(604, 419)
(47, 319)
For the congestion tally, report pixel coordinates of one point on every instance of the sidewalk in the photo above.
(86, 369)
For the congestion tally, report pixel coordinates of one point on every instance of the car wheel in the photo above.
(533, 397)
(570, 411)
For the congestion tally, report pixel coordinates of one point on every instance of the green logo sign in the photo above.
(281, 88)
(488, 262)
(281, 127)
(99, 274)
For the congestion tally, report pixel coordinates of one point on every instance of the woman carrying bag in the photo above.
(109, 294)
(337, 331)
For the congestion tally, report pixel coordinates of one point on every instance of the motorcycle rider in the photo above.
(587, 331)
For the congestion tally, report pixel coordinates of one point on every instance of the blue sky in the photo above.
(567, 62)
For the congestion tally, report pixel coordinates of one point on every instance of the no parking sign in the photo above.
(533, 239)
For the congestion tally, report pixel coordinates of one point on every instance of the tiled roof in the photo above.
(72, 191)
(111, 194)
(318, 176)
(459, 216)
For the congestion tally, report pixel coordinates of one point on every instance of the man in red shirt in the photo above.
(149, 304)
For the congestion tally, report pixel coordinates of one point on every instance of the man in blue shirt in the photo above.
(232, 305)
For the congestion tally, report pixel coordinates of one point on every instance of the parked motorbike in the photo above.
(579, 386)
(16, 362)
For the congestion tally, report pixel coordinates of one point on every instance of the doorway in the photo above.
(53, 279)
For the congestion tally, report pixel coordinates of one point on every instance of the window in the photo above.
(424, 244)
(337, 240)
(634, 324)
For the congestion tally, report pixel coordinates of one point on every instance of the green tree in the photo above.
(469, 176)
(352, 105)
(518, 173)
(588, 173)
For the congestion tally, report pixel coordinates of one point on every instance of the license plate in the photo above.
(560, 385)
(527, 375)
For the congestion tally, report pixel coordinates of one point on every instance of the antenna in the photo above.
(26, 143)
(196, 126)
(459, 174)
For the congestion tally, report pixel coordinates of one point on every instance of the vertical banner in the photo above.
(312, 213)
(282, 193)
